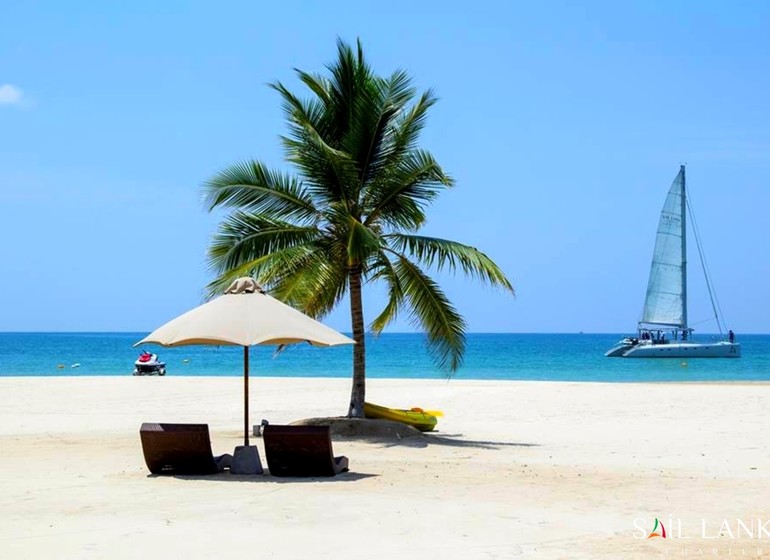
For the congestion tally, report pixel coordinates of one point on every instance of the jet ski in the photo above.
(148, 364)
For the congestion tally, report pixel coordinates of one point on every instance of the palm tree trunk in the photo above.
(358, 392)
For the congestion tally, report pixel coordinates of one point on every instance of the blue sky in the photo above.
(563, 125)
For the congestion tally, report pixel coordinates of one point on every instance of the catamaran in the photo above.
(665, 305)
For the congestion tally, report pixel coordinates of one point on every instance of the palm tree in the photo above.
(351, 213)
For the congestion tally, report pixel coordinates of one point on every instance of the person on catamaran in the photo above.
(731, 336)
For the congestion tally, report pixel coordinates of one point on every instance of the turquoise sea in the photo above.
(555, 357)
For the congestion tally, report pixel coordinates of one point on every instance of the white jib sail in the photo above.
(664, 303)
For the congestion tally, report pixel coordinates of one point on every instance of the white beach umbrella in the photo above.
(244, 316)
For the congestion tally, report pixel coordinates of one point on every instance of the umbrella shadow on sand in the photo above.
(456, 440)
(387, 433)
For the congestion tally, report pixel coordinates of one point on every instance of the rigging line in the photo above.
(702, 321)
(704, 266)
(712, 291)
(706, 271)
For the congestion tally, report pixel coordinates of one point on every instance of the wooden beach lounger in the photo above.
(177, 448)
(301, 451)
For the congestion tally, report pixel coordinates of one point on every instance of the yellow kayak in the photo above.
(416, 417)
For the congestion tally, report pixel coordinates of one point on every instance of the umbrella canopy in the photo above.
(244, 316)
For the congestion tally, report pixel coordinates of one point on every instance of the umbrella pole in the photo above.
(246, 395)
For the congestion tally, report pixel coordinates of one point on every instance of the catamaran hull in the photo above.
(618, 350)
(677, 350)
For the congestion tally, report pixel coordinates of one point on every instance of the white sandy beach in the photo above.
(519, 470)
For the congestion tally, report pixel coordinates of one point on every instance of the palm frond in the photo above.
(432, 312)
(442, 253)
(313, 283)
(301, 113)
(399, 199)
(403, 132)
(318, 84)
(349, 74)
(375, 108)
(362, 242)
(328, 170)
(243, 240)
(252, 187)
(384, 270)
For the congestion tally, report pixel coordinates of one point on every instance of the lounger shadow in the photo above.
(177, 448)
(301, 451)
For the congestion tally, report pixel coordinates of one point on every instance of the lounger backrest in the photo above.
(177, 448)
(299, 450)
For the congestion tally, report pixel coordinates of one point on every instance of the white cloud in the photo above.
(10, 95)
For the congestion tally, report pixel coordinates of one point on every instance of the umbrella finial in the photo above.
(244, 285)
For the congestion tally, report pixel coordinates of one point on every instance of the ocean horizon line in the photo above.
(549, 333)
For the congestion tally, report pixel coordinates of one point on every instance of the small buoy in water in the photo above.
(60, 366)
(684, 364)
(186, 361)
(75, 365)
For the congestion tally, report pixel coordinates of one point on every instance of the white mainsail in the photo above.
(665, 303)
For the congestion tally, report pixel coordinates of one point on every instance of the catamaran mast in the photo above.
(684, 251)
